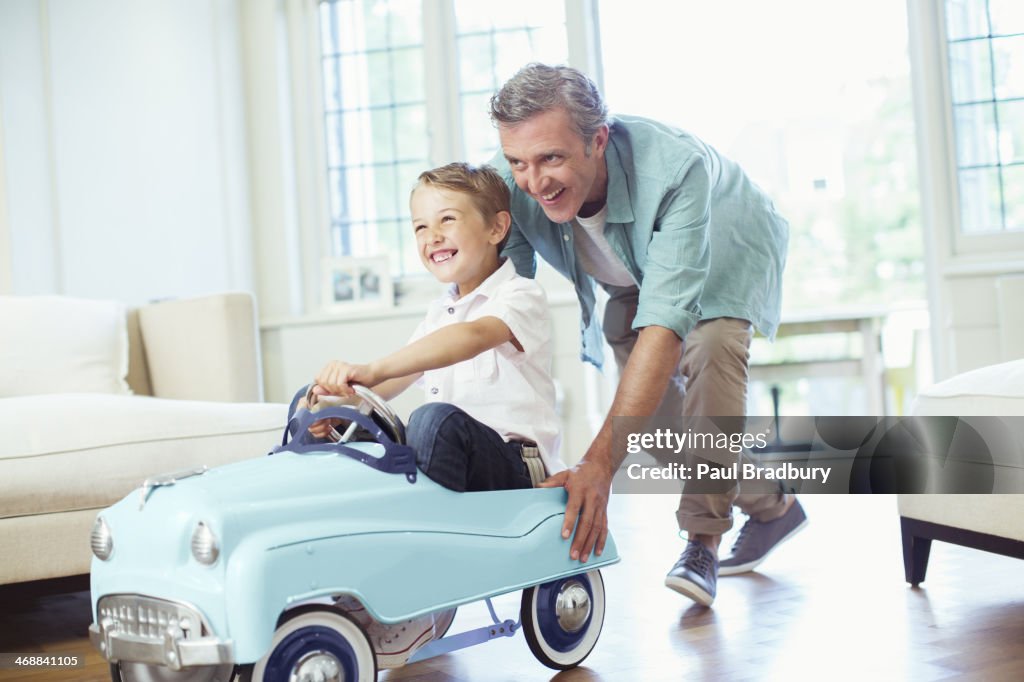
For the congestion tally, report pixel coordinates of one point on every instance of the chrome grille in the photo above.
(146, 618)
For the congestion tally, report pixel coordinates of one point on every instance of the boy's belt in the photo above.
(534, 464)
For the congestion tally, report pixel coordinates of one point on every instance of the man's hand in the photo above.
(643, 382)
(588, 485)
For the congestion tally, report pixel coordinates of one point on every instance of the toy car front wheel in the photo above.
(315, 644)
(126, 671)
(562, 619)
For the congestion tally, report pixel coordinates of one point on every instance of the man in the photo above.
(691, 253)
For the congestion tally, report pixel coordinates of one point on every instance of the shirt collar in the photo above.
(620, 210)
(504, 273)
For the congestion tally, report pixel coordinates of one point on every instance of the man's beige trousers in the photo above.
(711, 382)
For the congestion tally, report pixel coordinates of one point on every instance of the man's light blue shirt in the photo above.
(699, 238)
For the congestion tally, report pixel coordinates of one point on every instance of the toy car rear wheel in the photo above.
(562, 619)
(126, 671)
(317, 643)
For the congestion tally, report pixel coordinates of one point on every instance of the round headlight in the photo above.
(204, 544)
(101, 540)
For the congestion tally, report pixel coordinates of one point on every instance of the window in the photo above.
(374, 120)
(813, 100)
(388, 102)
(494, 40)
(986, 71)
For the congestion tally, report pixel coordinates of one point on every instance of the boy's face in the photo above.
(456, 244)
(549, 162)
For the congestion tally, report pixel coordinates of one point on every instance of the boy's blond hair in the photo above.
(485, 188)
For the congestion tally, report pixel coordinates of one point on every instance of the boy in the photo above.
(482, 354)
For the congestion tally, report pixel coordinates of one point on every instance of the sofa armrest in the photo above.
(204, 348)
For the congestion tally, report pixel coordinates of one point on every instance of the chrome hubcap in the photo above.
(317, 666)
(572, 607)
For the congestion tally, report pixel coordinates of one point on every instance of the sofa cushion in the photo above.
(54, 344)
(997, 390)
(83, 451)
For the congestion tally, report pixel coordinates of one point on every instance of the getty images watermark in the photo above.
(821, 454)
(726, 467)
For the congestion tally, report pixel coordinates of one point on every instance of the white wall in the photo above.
(28, 222)
(983, 318)
(124, 148)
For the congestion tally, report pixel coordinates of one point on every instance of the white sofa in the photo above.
(994, 522)
(95, 398)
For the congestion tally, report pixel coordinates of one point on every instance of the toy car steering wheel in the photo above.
(368, 411)
(367, 403)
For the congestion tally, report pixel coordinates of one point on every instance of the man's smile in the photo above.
(552, 196)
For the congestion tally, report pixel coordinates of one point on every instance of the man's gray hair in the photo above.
(538, 88)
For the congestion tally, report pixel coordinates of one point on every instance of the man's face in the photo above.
(550, 163)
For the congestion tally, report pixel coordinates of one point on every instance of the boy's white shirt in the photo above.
(509, 390)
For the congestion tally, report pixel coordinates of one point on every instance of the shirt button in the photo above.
(565, 237)
(451, 311)
(433, 391)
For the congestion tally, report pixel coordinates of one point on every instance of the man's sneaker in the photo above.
(395, 643)
(757, 539)
(695, 574)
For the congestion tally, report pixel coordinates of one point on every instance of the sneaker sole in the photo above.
(751, 565)
(688, 589)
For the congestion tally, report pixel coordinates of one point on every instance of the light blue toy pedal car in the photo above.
(231, 573)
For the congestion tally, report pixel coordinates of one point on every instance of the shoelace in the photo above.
(696, 558)
(744, 532)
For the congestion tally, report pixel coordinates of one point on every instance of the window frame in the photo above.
(957, 250)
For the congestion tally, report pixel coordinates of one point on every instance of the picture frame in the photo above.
(357, 283)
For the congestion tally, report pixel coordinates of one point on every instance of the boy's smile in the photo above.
(443, 255)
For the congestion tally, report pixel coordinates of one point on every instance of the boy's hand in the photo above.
(322, 428)
(337, 377)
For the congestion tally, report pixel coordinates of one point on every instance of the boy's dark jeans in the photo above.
(460, 453)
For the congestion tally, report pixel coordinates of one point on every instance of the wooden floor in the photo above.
(831, 605)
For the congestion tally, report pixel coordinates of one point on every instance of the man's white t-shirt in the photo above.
(595, 253)
(509, 390)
